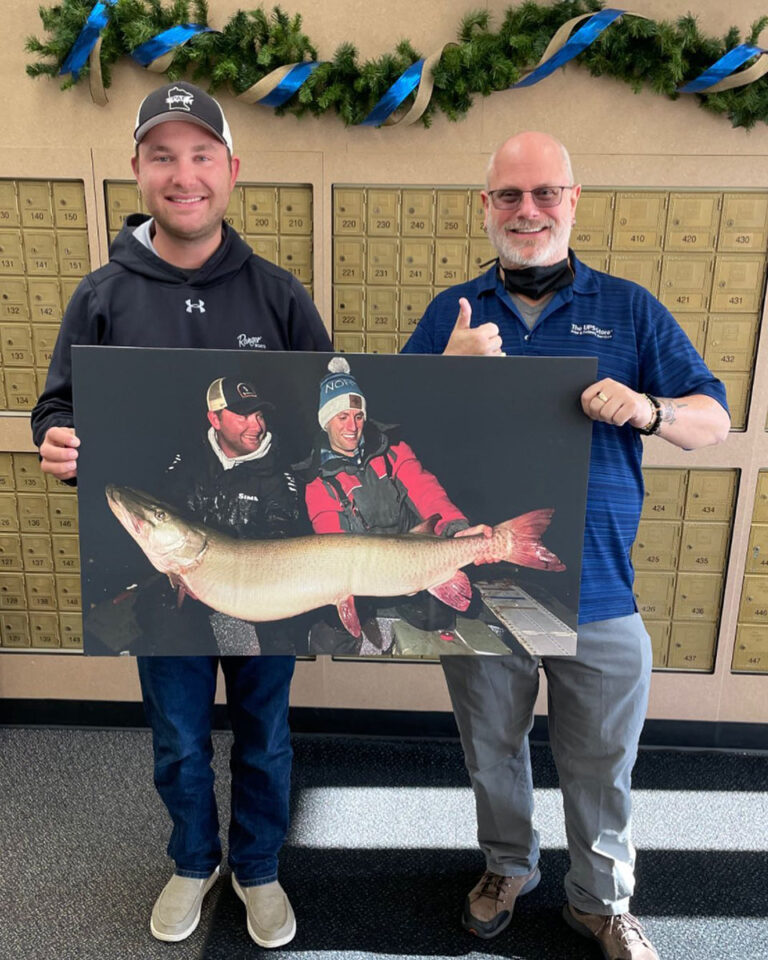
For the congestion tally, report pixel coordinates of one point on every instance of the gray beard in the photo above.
(511, 255)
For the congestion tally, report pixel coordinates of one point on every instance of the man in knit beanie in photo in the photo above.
(363, 479)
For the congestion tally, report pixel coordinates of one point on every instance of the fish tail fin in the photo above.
(519, 541)
(456, 592)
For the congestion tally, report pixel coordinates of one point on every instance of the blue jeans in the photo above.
(178, 700)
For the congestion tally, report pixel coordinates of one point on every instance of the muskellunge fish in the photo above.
(272, 579)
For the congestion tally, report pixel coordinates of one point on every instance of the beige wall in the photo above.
(616, 138)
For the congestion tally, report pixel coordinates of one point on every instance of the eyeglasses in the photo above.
(510, 198)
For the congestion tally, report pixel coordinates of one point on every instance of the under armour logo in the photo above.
(200, 305)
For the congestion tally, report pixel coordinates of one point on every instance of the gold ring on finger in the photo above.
(602, 396)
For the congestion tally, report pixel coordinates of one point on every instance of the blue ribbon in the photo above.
(86, 40)
(166, 41)
(406, 83)
(575, 45)
(289, 84)
(722, 68)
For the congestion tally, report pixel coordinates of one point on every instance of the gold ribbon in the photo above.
(741, 79)
(267, 84)
(563, 33)
(262, 88)
(95, 80)
(423, 91)
(161, 64)
(758, 69)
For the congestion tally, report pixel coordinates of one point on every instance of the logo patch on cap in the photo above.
(179, 99)
(246, 391)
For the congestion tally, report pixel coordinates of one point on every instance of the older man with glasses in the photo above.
(538, 299)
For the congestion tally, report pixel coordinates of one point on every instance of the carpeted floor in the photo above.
(379, 858)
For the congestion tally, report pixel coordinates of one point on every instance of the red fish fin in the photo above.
(349, 617)
(456, 592)
(181, 590)
(519, 541)
(426, 526)
(123, 596)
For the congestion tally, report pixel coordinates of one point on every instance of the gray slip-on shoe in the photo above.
(176, 912)
(271, 922)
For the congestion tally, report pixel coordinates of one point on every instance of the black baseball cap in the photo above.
(235, 395)
(182, 101)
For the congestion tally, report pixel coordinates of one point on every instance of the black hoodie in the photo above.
(234, 300)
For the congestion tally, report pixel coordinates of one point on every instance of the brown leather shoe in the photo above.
(620, 937)
(489, 905)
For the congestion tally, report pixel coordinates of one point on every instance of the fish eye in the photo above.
(160, 515)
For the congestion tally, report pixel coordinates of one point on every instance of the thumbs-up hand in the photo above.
(483, 340)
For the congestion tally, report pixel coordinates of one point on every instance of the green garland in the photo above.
(661, 55)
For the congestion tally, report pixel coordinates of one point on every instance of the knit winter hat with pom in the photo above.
(338, 391)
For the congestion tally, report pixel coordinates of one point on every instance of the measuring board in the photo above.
(534, 627)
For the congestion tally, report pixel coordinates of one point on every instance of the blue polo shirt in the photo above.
(637, 342)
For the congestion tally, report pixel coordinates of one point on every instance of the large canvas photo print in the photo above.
(352, 505)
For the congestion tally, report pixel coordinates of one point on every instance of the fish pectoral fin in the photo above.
(456, 592)
(178, 586)
(181, 590)
(348, 615)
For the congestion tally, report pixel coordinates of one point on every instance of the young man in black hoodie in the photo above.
(183, 278)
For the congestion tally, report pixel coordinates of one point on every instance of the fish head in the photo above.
(171, 543)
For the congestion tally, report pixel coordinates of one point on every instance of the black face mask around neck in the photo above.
(537, 282)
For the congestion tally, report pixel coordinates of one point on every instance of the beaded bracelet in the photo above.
(655, 422)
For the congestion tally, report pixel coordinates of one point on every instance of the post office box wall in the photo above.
(684, 550)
